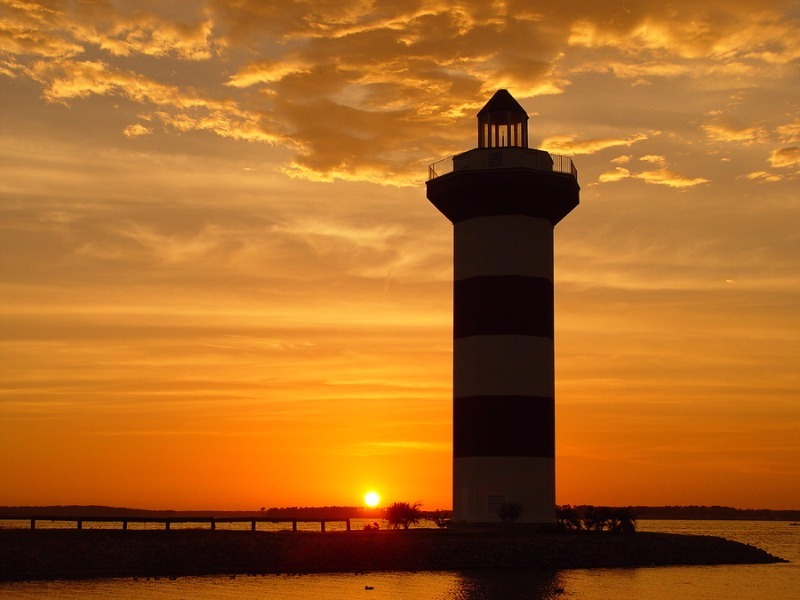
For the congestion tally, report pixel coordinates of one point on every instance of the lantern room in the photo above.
(502, 123)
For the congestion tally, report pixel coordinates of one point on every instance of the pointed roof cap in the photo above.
(502, 101)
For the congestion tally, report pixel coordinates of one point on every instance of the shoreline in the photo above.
(88, 554)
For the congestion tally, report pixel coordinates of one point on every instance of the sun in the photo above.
(372, 499)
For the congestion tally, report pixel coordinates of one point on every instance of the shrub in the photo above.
(605, 518)
(510, 512)
(441, 518)
(569, 518)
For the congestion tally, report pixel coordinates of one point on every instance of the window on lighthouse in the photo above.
(505, 132)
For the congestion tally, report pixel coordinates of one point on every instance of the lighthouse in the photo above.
(504, 200)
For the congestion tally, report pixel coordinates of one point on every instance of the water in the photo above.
(748, 582)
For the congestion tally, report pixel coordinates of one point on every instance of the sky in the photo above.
(222, 286)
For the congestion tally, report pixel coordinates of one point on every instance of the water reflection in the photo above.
(508, 585)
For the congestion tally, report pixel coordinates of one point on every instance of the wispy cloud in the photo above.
(136, 130)
(569, 144)
(764, 176)
(720, 130)
(661, 176)
(409, 445)
(785, 157)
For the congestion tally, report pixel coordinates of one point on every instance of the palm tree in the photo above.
(403, 514)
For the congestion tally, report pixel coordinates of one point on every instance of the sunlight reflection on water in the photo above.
(490, 585)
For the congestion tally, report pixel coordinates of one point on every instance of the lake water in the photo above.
(749, 582)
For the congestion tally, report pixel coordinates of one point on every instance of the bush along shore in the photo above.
(73, 554)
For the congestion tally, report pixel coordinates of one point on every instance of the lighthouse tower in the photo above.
(504, 200)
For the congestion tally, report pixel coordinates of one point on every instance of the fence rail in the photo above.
(169, 521)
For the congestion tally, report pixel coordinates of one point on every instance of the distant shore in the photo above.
(73, 554)
(693, 512)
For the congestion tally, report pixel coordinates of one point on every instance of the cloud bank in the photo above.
(373, 90)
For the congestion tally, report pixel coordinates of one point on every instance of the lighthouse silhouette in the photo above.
(504, 200)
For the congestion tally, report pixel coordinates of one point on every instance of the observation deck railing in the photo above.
(561, 164)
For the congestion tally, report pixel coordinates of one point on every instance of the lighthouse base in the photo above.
(482, 485)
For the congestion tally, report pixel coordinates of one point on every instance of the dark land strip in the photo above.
(73, 554)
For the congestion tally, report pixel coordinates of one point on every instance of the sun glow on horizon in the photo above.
(372, 499)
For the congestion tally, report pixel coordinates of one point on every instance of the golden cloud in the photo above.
(409, 445)
(44, 29)
(764, 176)
(19, 41)
(374, 90)
(638, 70)
(721, 130)
(31, 29)
(78, 79)
(655, 159)
(360, 89)
(707, 30)
(137, 130)
(669, 178)
(662, 176)
(567, 144)
(617, 174)
(266, 72)
(152, 36)
(239, 126)
(785, 157)
(648, 34)
(67, 80)
(789, 133)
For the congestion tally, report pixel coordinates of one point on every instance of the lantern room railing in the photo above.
(561, 164)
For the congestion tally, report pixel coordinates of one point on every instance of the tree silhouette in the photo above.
(403, 514)
(597, 518)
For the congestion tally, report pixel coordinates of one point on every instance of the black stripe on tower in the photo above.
(461, 195)
(503, 305)
(504, 426)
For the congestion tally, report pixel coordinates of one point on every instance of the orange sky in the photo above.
(221, 285)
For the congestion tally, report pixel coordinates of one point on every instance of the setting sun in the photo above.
(371, 499)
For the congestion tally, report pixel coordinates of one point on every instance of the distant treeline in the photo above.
(324, 512)
(704, 513)
(301, 512)
(344, 512)
(719, 513)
